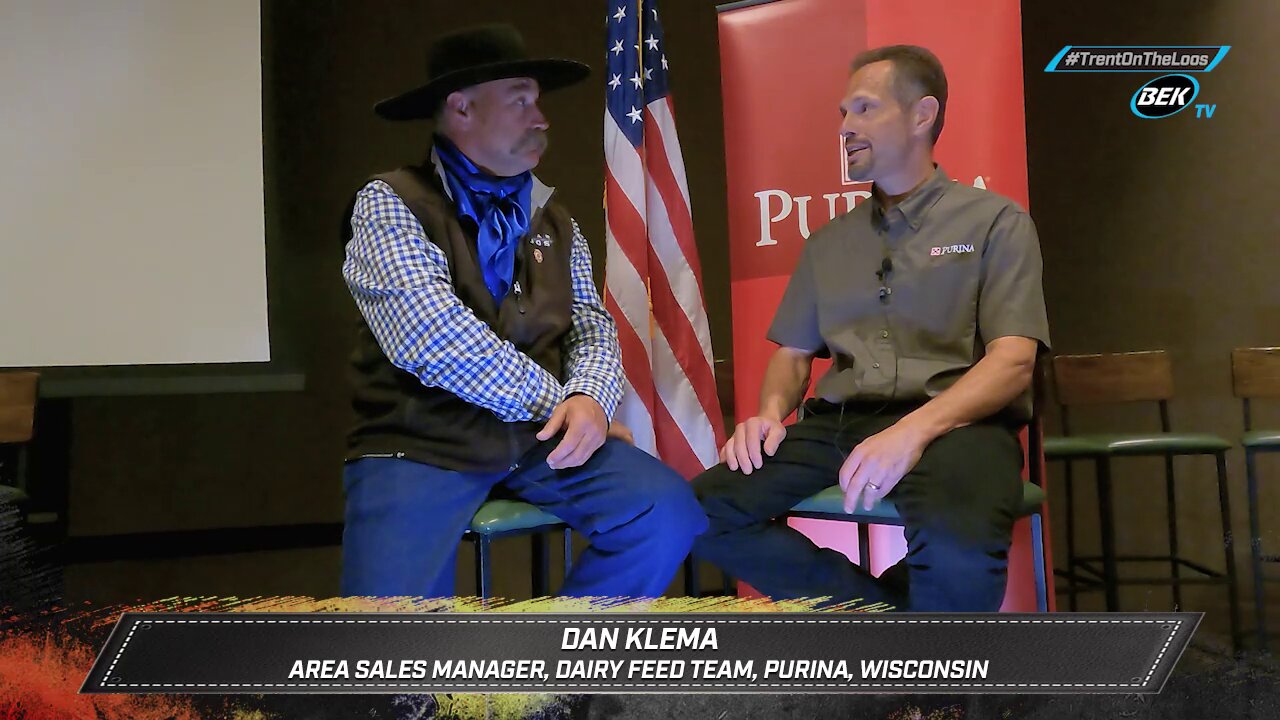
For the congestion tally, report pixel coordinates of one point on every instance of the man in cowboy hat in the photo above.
(485, 360)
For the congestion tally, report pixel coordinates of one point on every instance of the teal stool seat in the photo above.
(1261, 439)
(831, 502)
(12, 495)
(503, 518)
(1066, 446)
(1160, 443)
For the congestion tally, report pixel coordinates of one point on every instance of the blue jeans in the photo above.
(404, 520)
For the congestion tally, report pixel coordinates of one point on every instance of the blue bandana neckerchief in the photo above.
(500, 208)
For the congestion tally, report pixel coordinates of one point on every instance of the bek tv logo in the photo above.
(1164, 96)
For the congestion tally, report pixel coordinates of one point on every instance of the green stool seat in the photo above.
(1065, 447)
(831, 501)
(1159, 443)
(1261, 439)
(498, 517)
(11, 494)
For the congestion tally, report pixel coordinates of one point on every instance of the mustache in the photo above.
(534, 140)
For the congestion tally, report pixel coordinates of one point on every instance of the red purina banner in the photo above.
(784, 67)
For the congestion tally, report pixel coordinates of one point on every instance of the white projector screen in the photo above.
(131, 197)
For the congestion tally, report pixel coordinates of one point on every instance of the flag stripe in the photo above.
(661, 166)
(674, 448)
(677, 394)
(675, 325)
(639, 382)
(680, 277)
(669, 436)
(627, 227)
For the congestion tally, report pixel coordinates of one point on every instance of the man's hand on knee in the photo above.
(750, 439)
(878, 463)
(585, 428)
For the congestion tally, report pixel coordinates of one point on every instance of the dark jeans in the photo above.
(958, 505)
(404, 520)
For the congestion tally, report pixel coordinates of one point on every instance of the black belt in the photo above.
(818, 406)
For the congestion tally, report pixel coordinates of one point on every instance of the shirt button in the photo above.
(884, 333)
(514, 467)
(875, 365)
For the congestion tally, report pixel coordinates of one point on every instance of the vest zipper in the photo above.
(523, 270)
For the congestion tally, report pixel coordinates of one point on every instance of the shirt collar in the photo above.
(915, 206)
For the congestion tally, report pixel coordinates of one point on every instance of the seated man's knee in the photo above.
(677, 507)
(668, 499)
(717, 490)
(715, 485)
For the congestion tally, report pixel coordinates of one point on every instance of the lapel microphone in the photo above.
(886, 267)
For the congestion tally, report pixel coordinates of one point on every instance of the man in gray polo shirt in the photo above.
(928, 298)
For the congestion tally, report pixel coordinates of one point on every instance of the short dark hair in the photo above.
(916, 73)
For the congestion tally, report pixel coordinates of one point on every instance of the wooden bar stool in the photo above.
(1255, 374)
(1142, 377)
(1069, 450)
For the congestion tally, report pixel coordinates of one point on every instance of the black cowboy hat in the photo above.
(473, 56)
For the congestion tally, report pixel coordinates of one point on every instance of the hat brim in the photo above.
(421, 103)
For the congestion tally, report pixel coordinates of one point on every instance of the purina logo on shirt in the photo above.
(950, 250)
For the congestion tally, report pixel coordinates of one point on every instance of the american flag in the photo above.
(653, 282)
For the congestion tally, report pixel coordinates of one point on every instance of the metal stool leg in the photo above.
(1172, 507)
(692, 584)
(1107, 517)
(568, 551)
(1037, 559)
(1228, 546)
(1072, 593)
(484, 576)
(1255, 551)
(541, 562)
(864, 546)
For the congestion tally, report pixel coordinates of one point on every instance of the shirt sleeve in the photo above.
(1011, 294)
(593, 362)
(400, 281)
(795, 324)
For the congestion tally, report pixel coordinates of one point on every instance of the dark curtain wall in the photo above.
(1160, 234)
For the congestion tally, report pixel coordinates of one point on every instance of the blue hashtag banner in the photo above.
(1137, 58)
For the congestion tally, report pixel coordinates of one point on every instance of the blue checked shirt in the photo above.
(400, 281)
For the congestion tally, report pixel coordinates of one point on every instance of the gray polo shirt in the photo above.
(905, 301)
